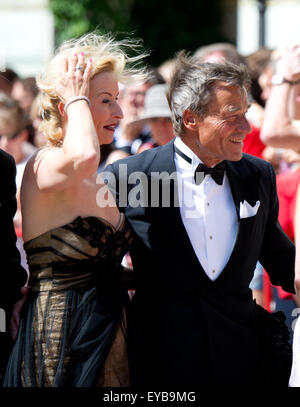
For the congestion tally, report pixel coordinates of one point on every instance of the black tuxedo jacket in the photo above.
(13, 276)
(189, 330)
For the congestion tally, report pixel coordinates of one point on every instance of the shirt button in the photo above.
(214, 271)
(207, 204)
(210, 237)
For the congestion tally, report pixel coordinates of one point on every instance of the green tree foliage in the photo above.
(166, 26)
(171, 25)
(77, 17)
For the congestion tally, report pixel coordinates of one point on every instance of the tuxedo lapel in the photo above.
(164, 160)
(244, 183)
(168, 219)
(162, 172)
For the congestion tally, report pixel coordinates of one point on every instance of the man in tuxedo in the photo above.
(203, 214)
(13, 275)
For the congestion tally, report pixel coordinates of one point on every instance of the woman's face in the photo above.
(105, 109)
(12, 142)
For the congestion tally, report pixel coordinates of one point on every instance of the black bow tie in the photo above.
(217, 173)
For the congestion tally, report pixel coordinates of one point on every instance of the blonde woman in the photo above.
(72, 332)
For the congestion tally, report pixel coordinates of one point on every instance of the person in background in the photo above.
(282, 113)
(130, 134)
(35, 115)
(281, 157)
(281, 130)
(295, 372)
(7, 79)
(13, 275)
(219, 52)
(13, 140)
(257, 62)
(157, 115)
(166, 69)
(14, 136)
(24, 91)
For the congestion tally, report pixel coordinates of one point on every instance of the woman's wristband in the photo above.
(74, 99)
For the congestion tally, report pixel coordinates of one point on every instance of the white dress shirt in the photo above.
(208, 213)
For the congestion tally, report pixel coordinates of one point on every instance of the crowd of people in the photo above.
(105, 283)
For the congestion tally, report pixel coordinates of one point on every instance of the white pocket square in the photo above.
(247, 211)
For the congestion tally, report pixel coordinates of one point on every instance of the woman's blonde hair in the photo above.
(107, 54)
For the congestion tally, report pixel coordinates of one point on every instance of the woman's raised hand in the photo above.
(75, 77)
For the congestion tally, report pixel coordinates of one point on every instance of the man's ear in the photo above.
(61, 106)
(190, 120)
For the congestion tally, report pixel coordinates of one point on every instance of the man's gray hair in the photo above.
(193, 84)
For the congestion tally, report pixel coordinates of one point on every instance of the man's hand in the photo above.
(15, 318)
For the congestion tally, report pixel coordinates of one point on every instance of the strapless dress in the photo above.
(73, 326)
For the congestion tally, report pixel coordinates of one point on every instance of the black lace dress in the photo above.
(73, 328)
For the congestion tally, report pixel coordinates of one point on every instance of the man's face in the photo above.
(132, 99)
(12, 145)
(161, 130)
(221, 132)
